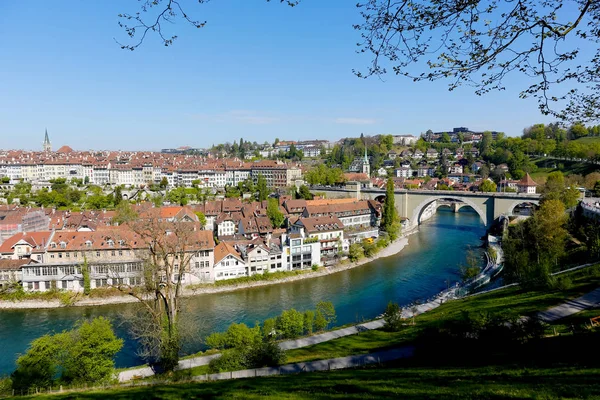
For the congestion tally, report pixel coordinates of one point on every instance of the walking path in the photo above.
(321, 365)
(568, 308)
(571, 307)
(144, 372)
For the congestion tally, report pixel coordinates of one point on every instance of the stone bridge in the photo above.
(412, 203)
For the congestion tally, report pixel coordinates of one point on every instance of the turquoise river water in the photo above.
(421, 270)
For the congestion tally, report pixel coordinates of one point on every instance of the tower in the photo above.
(366, 167)
(47, 146)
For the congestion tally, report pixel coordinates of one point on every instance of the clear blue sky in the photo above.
(258, 70)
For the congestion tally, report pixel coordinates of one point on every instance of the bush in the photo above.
(290, 324)
(265, 353)
(216, 340)
(82, 355)
(327, 310)
(268, 328)
(309, 321)
(240, 335)
(392, 317)
(562, 283)
(230, 360)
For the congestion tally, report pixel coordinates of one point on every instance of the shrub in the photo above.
(309, 321)
(327, 309)
(320, 322)
(230, 360)
(82, 355)
(265, 353)
(216, 340)
(268, 328)
(240, 335)
(392, 317)
(290, 324)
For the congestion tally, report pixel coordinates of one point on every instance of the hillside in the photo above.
(589, 139)
(546, 165)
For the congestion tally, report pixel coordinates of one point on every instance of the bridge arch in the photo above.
(512, 207)
(418, 210)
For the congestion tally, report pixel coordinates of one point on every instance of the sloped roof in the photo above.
(527, 181)
(224, 249)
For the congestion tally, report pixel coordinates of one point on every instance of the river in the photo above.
(421, 270)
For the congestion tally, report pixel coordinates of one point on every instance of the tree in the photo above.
(304, 193)
(445, 138)
(118, 196)
(201, 219)
(459, 42)
(392, 317)
(471, 268)
(487, 186)
(390, 222)
(290, 324)
(597, 189)
(124, 213)
(327, 310)
(164, 182)
(274, 214)
(90, 353)
(39, 366)
(261, 187)
(356, 252)
(85, 273)
(84, 355)
(169, 247)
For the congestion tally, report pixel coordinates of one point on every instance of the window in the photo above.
(64, 284)
(97, 254)
(112, 253)
(120, 252)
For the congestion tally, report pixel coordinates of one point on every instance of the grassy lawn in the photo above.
(513, 300)
(588, 140)
(390, 381)
(547, 165)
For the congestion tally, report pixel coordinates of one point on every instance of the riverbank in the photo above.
(393, 249)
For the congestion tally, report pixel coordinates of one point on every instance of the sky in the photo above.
(256, 71)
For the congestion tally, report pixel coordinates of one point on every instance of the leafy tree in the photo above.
(487, 186)
(91, 351)
(118, 196)
(390, 221)
(327, 310)
(392, 317)
(164, 182)
(240, 335)
(356, 252)
(201, 218)
(274, 214)
(5, 179)
(82, 355)
(217, 340)
(261, 187)
(290, 323)
(304, 193)
(124, 213)
(39, 366)
(445, 138)
(309, 321)
(85, 273)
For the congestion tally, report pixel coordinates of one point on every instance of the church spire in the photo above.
(47, 146)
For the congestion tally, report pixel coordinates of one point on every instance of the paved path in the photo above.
(144, 372)
(320, 365)
(571, 307)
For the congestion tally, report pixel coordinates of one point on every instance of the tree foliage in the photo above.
(84, 355)
(274, 213)
(479, 43)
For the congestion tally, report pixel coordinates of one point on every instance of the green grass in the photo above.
(391, 381)
(589, 139)
(547, 165)
(268, 276)
(513, 300)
